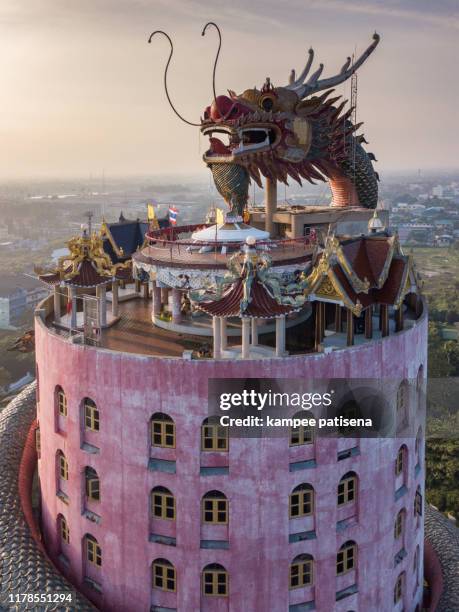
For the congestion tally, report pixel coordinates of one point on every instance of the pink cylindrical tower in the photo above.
(146, 505)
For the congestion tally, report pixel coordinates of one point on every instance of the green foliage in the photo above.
(441, 287)
(442, 471)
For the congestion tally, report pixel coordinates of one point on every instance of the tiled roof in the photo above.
(388, 293)
(24, 567)
(443, 535)
(365, 270)
(87, 276)
(128, 236)
(368, 255)
(262, 304)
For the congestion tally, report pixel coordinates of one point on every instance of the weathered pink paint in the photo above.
(129, 388)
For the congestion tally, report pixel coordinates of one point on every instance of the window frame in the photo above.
(162, 425)
(348, 559)
(93, 551)
(164, 495)
(64, 530)
(91, 415)
(61, 399)
(305, 495)
(214, 574)
(399, 588)
(299, 564)
(63, 466)
(305, 436)
(215, 436)
(165, 568)
(399, 525)
(418, 502)
(214, 501)
(400, 461)
(347, 490)
(92, 484)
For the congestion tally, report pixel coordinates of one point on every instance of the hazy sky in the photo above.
(81, 90)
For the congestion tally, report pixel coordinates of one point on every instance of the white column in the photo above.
(254, 332)
(280, 336)
(245, 338)
(73, 316)
(217, 337)
(223, 333)
(176, 306)
(57, 304)
(156, 299)
(115, 302)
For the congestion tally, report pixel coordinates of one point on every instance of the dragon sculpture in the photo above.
(288, 131)
(247, 266)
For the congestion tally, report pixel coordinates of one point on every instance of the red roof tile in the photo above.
(262, 305)
(87, 276)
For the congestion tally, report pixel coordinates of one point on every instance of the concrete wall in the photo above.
(128, 389)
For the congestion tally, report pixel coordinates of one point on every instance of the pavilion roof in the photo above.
(363, 271)
(88, 276)
(261, 305)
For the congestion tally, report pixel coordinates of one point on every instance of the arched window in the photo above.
(300, 435)
(402, 404)
(215, 508)
(346, 559)
(163, 575)
(162, 430)
(399, 588)
(420, 378)
(301, 571)
(214, 437)
(63, 528)
(61, 401)
(62, 465)
(418, 502)
(400, 462)
(418, 445)
(347, 489)
(162, 504)
(92, 484)
(91, 415)
(399, 524)
(302, 501)
(93, 550)
(416, 564)
(402, 395)
(215, 581)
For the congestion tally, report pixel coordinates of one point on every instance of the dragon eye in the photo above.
(267, 103)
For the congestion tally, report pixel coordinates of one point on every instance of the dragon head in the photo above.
(287, 131)
(279, 132)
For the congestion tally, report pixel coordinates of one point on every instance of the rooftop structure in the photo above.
(147, 502)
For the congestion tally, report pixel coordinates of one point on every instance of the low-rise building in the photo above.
(17, 294)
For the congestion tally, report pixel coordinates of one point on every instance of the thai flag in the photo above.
(173, 212)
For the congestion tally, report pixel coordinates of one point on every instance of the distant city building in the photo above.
(437, 191)
(17, 293)
(445, 240)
